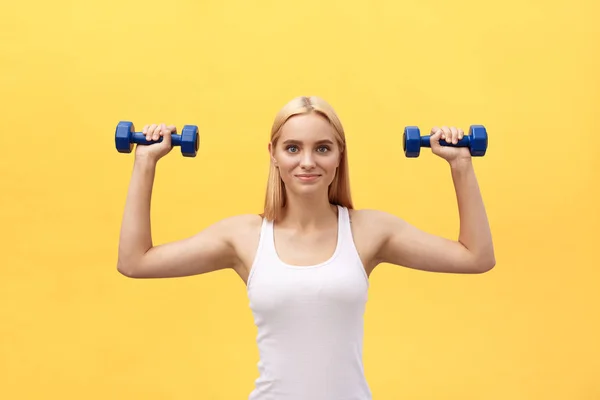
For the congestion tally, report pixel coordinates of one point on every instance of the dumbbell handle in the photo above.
(464, 142)
(140, 138)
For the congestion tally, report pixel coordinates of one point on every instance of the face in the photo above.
(307, 153)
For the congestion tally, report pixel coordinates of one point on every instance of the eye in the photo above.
(290, 147)
(323, 149)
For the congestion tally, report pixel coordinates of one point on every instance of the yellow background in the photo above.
(73, 328)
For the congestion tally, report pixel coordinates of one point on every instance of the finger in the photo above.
(145, 130)
(157, 132)
(172, 129)
(164, 131)
(461, 134)
(434, 139)
(150, 132)
(437, 132)
(454, 135)
(446, 133)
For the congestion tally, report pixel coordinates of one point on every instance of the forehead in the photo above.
(307, 127)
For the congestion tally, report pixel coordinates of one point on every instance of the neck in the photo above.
(307, 212)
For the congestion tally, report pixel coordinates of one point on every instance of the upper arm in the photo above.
(403, 244)
(209, 250)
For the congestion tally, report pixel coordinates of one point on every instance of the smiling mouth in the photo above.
(307, 177)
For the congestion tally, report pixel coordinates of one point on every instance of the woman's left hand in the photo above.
(451, 135)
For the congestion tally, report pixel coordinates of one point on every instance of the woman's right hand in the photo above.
(155, 151)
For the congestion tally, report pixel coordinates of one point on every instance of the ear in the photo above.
(339, 162)
(271, 149)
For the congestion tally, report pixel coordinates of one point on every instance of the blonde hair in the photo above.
(339, 190)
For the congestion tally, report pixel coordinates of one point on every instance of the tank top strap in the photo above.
(261, 258)
(344, 221)
(267, 242)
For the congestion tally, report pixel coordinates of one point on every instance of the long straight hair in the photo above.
(339, 190)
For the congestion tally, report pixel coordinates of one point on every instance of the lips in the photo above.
(307, 177)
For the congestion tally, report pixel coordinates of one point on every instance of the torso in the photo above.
(306, 250)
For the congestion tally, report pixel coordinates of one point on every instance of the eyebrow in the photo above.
(293, 141)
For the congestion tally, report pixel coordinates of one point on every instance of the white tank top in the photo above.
(310, 322)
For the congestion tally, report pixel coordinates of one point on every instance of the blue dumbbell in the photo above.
(126, 137)
(476, 141)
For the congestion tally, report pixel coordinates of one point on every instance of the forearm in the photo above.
(136, 238)
(475, 233)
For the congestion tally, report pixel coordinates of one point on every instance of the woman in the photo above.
(307, 259)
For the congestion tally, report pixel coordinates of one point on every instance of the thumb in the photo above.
(434, 139)
(166, 132)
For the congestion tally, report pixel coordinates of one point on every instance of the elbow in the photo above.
(481, 262)
(485, 265)
(126, 269)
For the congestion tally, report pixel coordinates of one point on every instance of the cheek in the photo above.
(286, 162)
(331, 163)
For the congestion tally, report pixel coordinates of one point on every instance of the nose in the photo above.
(307, 161)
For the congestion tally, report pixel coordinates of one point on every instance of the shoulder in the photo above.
(380, 226)
(242, 232)
(374, 220)
(243, 219)
(241, 224)
(373, 229)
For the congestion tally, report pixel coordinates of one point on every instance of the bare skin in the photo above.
(307, 233)
(321, 243)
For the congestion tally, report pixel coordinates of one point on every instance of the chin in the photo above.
(310, 189)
